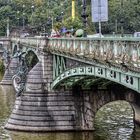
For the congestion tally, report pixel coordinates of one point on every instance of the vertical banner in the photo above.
(99, 10)
(73, 9)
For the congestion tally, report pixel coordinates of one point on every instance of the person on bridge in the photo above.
(68, 33)
(55, 33)
(79, 33)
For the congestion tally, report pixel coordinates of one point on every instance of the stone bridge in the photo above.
(72, 80)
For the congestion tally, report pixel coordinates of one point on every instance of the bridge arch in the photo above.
(95, 98)
(127, 80)
(15, 48)
(127, 97)
(34, 51)
(113, 116)
(31, 54)
(117, 101)
(31, 58)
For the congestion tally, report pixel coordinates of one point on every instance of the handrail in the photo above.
(116, 50)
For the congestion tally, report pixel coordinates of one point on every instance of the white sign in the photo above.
(99, 10)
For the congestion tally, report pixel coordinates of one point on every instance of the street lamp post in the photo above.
(8, 31)
(18, 21)
(59, 17)
(52, 22)
(84, 16)
(18, 18)
(32, 7)
(23, 18)
(23, 21)
(122, 20)
(62, 14)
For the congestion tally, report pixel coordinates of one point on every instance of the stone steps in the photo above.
(47, 104)
(40, 118)
(51, 111)
(42, 112)
(42, 128)
(42, 122)
(50, 108)
(39, 94)
(7, 78)
(45, 99)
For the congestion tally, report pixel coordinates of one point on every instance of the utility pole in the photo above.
(84, 16)
(32, 8)
(116, 26)
(23, 17)
(122, 20)
(8, 31)
(52, 23)
(99, 13)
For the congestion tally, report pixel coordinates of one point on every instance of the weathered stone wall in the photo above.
(96, 98)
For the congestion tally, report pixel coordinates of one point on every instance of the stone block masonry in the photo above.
(39, 109)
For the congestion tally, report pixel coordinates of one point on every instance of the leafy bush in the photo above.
(75, 24)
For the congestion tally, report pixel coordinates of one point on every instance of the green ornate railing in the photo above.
(114, 58)
(123, 52)
(130, 80)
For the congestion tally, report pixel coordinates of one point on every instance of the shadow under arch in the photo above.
(96, 98)
(115, 120)
(15, 48)
(97, 72)
(31, 59)
(101, 90)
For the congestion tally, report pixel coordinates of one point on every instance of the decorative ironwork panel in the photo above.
(100, 72)
(113, 75)
(112, 58)
(19, 79)
(130, 81)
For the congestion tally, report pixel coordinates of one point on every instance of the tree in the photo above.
(75, 24)
(126, 16)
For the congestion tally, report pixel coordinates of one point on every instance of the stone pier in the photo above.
(40, 110)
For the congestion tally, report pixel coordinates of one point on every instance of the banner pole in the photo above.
(99, 14)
